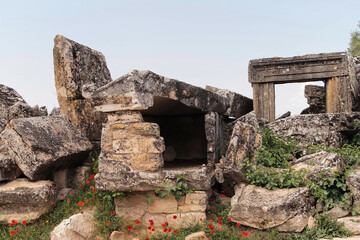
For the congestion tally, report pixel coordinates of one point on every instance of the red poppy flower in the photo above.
(14, 222)
(27, 233)
(87, 182)
(108, 223)
(52, 203)
(94, 190)
(219, 218)
(80, 188)
(175, 231)
(165, 230)
(112, 212)
(200, 219)
(97, 170)
(92, 176)
(202, 237)
(69, 200)
(71, 193)
(229, 219)
(86, 200)
(238, 224)
(163, 224)
(169, 230)
(129, 227)
(153, 229)
(174, 217)
(81, 204)
(222, 195)
(24, 222)
(12, 233)
(220, 223)
(211, 226)
(137, 222)
(149, 227)
(62, 195)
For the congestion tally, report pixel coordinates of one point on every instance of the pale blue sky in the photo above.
(200, 42)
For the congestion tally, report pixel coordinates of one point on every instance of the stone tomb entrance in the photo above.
(336, 69)
(183, 130)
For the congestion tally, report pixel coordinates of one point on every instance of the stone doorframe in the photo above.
(333, 68)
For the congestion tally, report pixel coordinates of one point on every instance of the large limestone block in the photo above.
(244, 142)
(138, 89)
(12, 105)
(80, 226)
(239, 104)
(22, 199)
(76, 66)
(351, 223)
(323, 129)
(41, 145)
(262, 208)
(353, 182)
(319, 164)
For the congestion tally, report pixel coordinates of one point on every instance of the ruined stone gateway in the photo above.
(336, 69)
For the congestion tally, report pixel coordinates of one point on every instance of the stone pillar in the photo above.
(338, 95)
(264, 100)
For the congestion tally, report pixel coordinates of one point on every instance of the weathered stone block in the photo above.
(21, 198)
(12, 105)
(196, 198)
(351, 223)
(79, 226)
(165, 205)
(147, 162)
(310, 129)
(77, 66)
(41, 145)
(262, 208)
(319, 164)
(134, 205)
(139, 144)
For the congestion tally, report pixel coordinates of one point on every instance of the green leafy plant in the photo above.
(326, 227)
(275, 151)
(180, 189)
(272, 178)
(331, 190)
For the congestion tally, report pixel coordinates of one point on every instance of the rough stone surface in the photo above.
(353, 182)
(145, 206)
(12, 105)
(239, 104)
(330, 129)
(195, 236)
(41, 145)
(351, 223)
(55, 111)
(245, 140)
(337, 212)
(319, 164)
(21, 199)
(75, 67)
(262, 208)
(80, 226)
(316, 98)
(8, 168)
(116, 235)
(137, 90)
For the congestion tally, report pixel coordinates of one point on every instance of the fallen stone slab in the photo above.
(22, 199)
(351, 223)
(329, 129)
(239, 104)
(138, 90)
(76, 65)
(42, 145)
(262, 208)
(319, 164)
(80, 226)
(12, 105)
